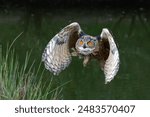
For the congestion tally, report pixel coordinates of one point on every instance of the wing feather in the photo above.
(56, 55)
(111, 64)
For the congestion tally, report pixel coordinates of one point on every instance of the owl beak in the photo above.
(84, 46)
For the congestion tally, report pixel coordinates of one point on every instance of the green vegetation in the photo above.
(21, 79)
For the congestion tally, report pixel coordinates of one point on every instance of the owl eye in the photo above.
(90, 43)
(81, 42)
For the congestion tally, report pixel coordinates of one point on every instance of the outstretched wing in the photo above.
(109, 55)
(56, 55)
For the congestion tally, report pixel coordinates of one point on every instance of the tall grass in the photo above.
(23, 81)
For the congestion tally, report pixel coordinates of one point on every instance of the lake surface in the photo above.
(131, 30)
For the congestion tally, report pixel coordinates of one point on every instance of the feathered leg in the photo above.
(86, 60)
(74, 52)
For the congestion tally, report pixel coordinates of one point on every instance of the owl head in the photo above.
(86, 44)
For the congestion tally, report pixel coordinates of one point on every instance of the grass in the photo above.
(21, 80)
(131, 82)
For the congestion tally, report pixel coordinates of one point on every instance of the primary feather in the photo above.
(56, 55)
(111, 65)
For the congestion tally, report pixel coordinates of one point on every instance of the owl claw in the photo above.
(74, 54)
(86, 60)
(84, 64)
(80, 56)
(73, 49)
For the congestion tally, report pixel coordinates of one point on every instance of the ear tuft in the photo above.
(98, 37)
(81, 34)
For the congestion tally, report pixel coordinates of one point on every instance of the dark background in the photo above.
(40, 20)
(74, 3)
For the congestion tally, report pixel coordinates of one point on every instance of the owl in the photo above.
(72, 41)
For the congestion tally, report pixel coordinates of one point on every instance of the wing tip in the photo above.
(104, 33)
(74, 24)
(108, 80)
(105, 29)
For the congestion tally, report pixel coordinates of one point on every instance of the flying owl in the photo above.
(72, 41)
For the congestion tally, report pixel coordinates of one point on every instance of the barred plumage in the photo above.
(57, 54)
(111, 66)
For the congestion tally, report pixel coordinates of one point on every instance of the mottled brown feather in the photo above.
(73, 39)
(101, 52)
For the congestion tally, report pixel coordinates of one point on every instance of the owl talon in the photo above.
(73, 49)
(80, 56)
(84, 64)
(86, 60)
(74, 54)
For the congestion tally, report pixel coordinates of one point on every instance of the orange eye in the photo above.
(81, 42)
(90, 43)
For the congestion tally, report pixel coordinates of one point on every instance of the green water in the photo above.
(131, 32)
